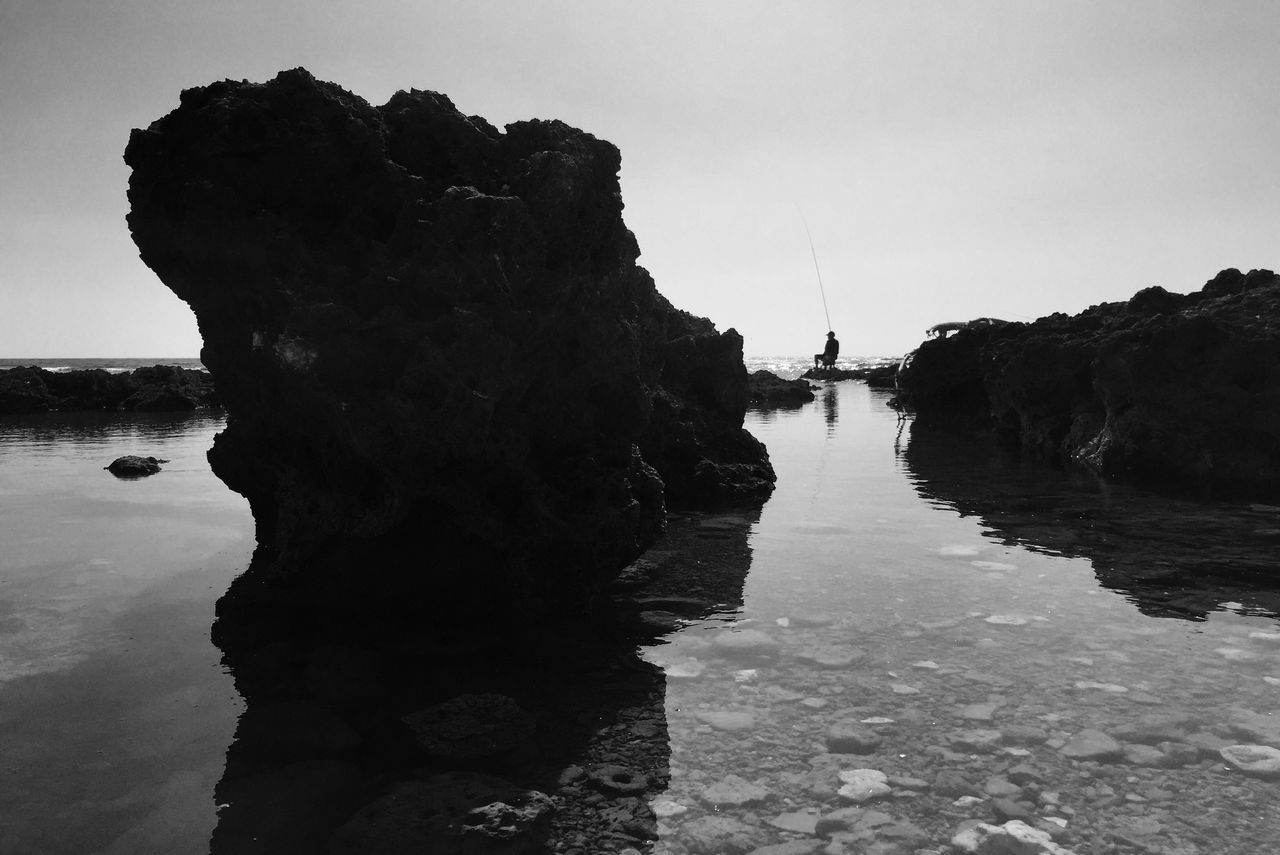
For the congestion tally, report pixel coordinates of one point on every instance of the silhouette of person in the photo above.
(828, 356)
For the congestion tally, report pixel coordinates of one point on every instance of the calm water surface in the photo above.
(115, 714)
(966, 615)
(924, 607)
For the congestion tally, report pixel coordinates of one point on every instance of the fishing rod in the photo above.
(821, 290)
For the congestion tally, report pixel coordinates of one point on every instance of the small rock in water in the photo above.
(958, 550)
(1007, 620)
(903, 689)
(992, 565)
(728, 719)
(927, 664)
(733, 791)
(829, 655)
(976, 741)
(1090, 744)
(1102, 687)
(1013, 838)
(132, 466)
(979, 712)
(861, 785)
(846, 738)
(802, 821)
(1259, 761)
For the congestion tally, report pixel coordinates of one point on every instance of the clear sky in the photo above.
(953, 159)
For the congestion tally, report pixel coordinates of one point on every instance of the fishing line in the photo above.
(821, 290)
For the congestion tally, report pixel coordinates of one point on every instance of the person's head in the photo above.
(831, 334)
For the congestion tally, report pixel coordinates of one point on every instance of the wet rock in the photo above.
(863, 785)
(852, 738)
(952, 783)
(1258, 761)
(132, 466)
(471, 727)
(456, 813)
(851, 819)
(720, 835)
(1021, 734)
(1090, 744)
(976, 741)
(1012, 838)
(1006, 809)
(800, 821)
(733, 791)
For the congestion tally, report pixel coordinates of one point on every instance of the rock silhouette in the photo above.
(446, 376)
(1163, 387)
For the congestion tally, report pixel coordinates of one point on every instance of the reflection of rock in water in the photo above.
(439, 738)
(444, 739)
(1172, 556)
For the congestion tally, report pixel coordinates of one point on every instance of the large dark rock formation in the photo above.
(443, 369)
(159, 388)
(1164, 386)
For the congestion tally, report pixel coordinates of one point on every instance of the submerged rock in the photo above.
(1163, 386)
(445, 374)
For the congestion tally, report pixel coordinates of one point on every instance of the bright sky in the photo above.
(953, 159)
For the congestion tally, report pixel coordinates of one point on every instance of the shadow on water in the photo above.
(1171, 556)
(447, 739)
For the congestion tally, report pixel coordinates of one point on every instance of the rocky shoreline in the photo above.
(1163, 387)
(154, 389)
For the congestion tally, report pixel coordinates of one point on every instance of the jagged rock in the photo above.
(769, 391)
(1163, 386)
(133, 466)
(445, 374)
(158, 388)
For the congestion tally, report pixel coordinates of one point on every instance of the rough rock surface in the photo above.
(769, 391)
(158, 388)
(440, 360)
(133, 466)
(1162, 387)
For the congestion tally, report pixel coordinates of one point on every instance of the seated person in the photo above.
(828, 356)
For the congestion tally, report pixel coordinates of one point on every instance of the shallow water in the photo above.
(114, 711)
(963, 613)
(970, 614)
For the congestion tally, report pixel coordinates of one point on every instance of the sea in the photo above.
(918, 633)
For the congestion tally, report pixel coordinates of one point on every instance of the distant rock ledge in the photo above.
(159, 388)
(1163, 387)
(445, 375)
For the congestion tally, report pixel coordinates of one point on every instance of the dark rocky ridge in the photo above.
(159, 388)
(444, 372)
(1163, 387)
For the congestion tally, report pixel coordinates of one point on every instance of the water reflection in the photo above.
(1171, 556)
(362, 738)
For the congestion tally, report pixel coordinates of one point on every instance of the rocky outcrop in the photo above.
(159, 388)
(1161, 387)
(876, 376)
(444, 372)
(769, 391)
